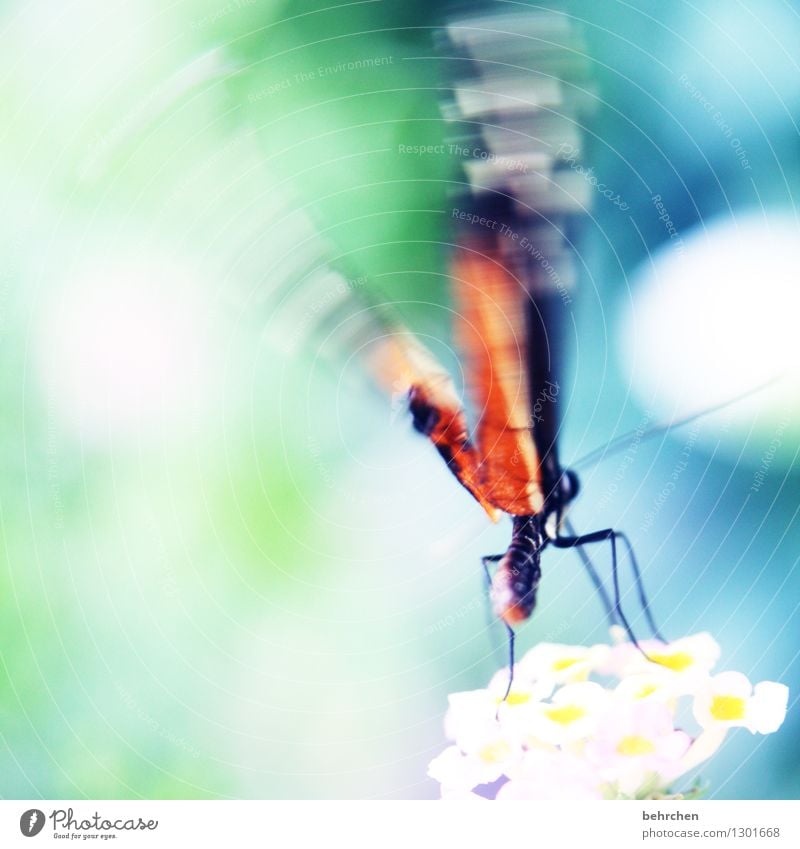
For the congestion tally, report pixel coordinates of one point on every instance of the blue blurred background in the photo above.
(228, 568)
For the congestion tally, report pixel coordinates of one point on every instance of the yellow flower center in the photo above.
(564, 663)
(727, 708)
(516, 699)
(495, 752)
(678, 661)
(633, 746)
(645, 691)
(566, 714)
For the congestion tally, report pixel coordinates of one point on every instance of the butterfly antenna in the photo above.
(620, 443)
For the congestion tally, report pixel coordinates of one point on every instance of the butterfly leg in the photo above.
(644, 602)
(496, 558)
(591, 571)
(610, 535)
(490, 558)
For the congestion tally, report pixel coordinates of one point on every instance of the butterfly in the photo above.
(507, 333)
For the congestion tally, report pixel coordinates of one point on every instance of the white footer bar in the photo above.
(410, 825)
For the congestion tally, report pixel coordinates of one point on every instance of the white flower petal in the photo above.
(562, 663)
(658, 685)
(457, 771)
(552, 775)
(450, 768)
(734, 684)
(467, 710)
(689, 658)
(767, 708)
(523, 690)
(571, 715)
(636, 743)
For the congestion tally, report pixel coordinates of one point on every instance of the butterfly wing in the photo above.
(405, 368)
(490, 325)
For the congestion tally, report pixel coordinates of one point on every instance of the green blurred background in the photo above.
(228, 568)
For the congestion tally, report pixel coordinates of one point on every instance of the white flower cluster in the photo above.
(561, 735)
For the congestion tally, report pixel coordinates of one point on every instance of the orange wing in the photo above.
(405, 368)
(491, 330)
